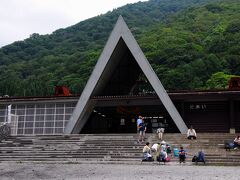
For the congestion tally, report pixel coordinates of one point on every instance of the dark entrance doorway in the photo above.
(123, 119)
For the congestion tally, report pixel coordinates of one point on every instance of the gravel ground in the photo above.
(31, 171)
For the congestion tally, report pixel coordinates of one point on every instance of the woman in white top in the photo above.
(160, 132)
(146, 152)
(191, 133)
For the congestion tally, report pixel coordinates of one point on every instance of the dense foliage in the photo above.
(186, 41)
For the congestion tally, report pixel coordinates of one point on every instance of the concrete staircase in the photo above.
(212, 144)
(111, 148)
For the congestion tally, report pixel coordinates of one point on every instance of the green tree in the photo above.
(219, 80)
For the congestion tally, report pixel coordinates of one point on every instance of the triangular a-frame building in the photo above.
(121, 38)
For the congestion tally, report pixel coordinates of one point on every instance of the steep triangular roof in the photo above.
(102, 70)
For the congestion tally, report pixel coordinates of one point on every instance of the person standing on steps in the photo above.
(139, 120)
(160, 132)
(142, 131)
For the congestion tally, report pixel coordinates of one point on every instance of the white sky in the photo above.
(20, 18)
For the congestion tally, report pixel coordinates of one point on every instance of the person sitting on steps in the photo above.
(163, 156)
(236, 142)
(147, 153)
(182, 155)
(155, 149)
(191, 133)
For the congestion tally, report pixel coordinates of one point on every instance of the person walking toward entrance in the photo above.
(139, 120)
(142, 131)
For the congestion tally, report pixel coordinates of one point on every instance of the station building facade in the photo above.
(207, 111)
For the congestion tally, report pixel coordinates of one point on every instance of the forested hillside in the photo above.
(190, 44)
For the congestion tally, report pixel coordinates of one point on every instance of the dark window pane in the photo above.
(30, 105)
(20, 125)
(69, 110)
(59, 124)
(50, 105)
(2, 112)
(40, 111)
(39, 118)
(20, 118)
(21, 106)
(49, 124)
(30, 111)
(59, 117)
(39, 124)
(50, 111)
(70, 104)
(20, 131)
(49, 131)
(20, 112)
(29, 124)
(49, 117)
(60, 105)
(40, 106)
(28, 131)
(59, 130)
(60, 111)
(67, 117)
(38, 131)
(29, 118)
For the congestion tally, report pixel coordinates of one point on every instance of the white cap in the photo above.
(163, 142)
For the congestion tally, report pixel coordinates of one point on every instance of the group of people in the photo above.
(161, 152)
(142, 128)
(157, 152)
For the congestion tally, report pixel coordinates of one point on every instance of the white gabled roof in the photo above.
(101, 71)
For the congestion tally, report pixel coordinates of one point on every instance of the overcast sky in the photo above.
(20, 18)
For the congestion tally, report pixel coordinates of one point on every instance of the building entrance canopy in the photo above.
(119, 67)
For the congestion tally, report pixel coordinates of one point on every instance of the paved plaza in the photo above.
(29, 171)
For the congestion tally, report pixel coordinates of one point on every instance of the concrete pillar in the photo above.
(231, 117)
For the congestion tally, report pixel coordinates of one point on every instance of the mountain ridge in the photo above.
(67, 56)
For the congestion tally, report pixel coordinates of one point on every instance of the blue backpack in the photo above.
(201, 156)
(175, 152)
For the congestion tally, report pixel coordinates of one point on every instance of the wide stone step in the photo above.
(110, 148)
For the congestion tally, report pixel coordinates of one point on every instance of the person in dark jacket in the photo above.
(182, 155)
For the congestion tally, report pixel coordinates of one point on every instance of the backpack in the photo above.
(201, 157)
(195, 159)
(142, 126)
(175, 152)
